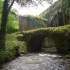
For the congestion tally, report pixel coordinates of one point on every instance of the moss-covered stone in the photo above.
(59, 35)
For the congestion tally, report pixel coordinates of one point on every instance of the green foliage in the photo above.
(68, 5)
(12, 25)
(1, 4)
(13, 48)
(12, 41)
(6, 55)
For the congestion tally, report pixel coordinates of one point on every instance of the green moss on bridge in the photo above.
(59, 35)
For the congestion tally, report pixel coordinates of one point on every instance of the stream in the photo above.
(38, 61)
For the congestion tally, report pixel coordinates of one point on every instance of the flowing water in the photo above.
(38, 61)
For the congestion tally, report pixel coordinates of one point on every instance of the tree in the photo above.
(65, 9)
(5, 12)
(0, 11)
(7, 7)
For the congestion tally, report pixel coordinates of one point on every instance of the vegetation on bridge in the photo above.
(59, 35)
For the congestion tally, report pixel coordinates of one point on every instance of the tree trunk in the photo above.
(5, 12)
(63, 12)
(3, 24)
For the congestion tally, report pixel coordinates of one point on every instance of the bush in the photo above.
(13, 48)
(7, 55)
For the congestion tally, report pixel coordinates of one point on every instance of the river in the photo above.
(38, 61)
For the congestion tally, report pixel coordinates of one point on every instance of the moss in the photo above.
(6, 55)
(59, 35)
(13, 48)
(12, 41)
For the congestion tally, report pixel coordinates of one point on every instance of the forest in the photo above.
(49, 32)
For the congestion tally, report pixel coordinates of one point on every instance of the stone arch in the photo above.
(35, 44)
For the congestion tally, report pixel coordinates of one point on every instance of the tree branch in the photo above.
(10, 5)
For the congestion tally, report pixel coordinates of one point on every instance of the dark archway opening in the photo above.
(35, 43)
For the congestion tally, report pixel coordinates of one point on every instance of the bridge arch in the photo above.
(35, 44)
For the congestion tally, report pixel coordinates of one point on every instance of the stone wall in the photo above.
(30, 22)
(22, 23)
